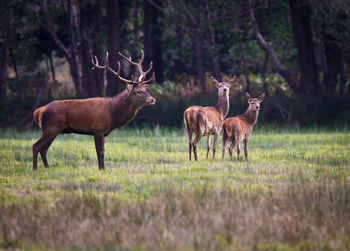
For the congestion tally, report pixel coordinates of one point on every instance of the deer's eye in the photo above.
(138, 92)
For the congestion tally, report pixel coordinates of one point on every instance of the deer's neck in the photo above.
(251, 116)
(223, 105)
(122, 109)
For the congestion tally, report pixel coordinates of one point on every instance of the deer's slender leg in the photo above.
(189, 134)
(232, 146)
(208, 145)
(224, 142)
(37, 146)
(246, 148)
(99, 144)
(238, 149)
(195, 143)
(43, 152)
(216, 137)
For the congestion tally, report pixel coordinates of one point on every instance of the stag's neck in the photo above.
(251, 116)
(223, 106)
(122, 109)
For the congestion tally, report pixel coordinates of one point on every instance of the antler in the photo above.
(117, 73)
(96, 64)
(139, 65)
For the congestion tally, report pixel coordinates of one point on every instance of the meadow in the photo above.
(292, 194)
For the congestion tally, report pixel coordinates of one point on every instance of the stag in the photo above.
(240, 127)
(206, 121)
(93, 116)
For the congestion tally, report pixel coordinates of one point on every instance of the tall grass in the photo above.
(294, 193)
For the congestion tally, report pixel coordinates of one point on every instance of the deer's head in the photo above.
(254, 103)
(136, 87)
(223, 87)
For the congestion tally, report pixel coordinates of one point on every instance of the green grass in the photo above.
(293, 193)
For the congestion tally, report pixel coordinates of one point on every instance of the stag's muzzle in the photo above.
(151, 101)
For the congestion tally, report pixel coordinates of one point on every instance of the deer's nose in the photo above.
(257, 107)
(225, 89)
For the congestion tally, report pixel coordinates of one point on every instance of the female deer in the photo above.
(240, 127)
(206, 121)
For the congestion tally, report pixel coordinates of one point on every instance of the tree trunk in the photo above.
(302, 32)
(96, 48)
(152, 37)
(52, 67)
(334, 60)
(4, 43)
(92, 81)
(198, 59)
(243, 58)
(113, 45)
(212, 46)
(282, 70)
(74, 67)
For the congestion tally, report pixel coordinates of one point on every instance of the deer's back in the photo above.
(76, 115)
(206, 119)
(236, 127)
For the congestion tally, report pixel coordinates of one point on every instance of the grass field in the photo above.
(293, 193)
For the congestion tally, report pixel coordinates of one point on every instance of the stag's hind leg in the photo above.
(45, 140)
(238, 149)
(43, 152)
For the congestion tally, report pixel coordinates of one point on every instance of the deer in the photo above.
(240, 127)
(207, 121)
(94, 116)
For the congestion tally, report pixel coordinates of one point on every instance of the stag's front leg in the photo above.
(208, 145)
(99, 144)
(216, 137)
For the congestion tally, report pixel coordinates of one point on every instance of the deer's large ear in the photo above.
(247, 96)
(261, 97)
(217, 83)
(232, 80)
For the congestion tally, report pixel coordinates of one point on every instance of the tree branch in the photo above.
(282, 70)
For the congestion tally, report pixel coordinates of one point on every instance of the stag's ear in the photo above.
(247, 96)
(217, 83)
(261, 97)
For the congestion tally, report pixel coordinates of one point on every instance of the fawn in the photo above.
(240, 127)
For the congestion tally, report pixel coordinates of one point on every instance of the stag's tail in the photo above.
(37, 115)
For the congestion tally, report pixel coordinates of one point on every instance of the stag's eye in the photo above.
(138, 92)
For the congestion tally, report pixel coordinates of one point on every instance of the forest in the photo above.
(297, 52)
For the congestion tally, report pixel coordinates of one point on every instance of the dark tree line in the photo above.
(305, 42)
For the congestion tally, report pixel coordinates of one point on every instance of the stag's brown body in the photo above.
(92, 116)
(240, 127)
(207, 121)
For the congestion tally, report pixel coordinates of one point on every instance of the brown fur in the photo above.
(92, 116)
(240, 127)
(206, 121)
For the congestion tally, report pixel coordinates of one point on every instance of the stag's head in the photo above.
(254, 103)
(223, 87)
(136, 87)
